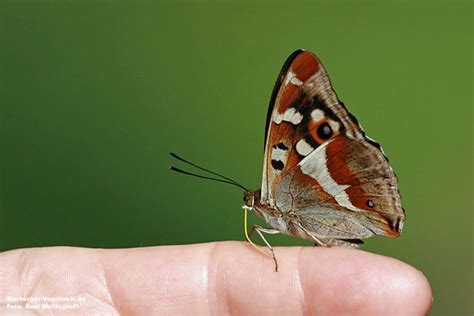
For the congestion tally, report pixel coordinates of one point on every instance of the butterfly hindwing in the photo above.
(354, 188)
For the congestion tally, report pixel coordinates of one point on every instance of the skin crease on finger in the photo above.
(216, 278)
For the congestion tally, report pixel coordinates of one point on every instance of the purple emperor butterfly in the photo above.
(323, 179)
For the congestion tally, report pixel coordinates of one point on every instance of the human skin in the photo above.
(215, 279)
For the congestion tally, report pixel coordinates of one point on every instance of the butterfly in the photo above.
(323, 179)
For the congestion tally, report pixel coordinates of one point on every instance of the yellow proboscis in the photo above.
(248, 238)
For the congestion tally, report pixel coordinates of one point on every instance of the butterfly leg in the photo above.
(257, 228)
(318, 242)
(260, 230)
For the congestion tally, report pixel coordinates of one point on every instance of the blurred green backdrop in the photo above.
(95, 95)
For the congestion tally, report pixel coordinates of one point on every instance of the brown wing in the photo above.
(320, 165)
(304, 113)
(344, 189)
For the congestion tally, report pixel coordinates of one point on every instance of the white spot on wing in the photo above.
(317, 114)
(350, 134)
(315, 166)
(296, 118)
(290, 115)
(279, 154)
(296, 81)
(334, 125)
(291, 77)
(303, 148)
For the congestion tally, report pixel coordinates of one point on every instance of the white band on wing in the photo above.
(315, 166)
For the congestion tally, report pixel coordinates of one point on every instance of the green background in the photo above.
(95, 95)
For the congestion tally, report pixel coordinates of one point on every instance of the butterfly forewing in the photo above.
(319, 165)
(305, 112)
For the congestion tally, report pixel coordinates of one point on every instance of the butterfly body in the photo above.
(284, 222)
(323, 178)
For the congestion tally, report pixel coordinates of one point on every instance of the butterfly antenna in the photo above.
(224, 179)
(203, 169)
(208, 178)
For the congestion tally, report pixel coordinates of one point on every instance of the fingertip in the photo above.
(416, 291)
(351, 281)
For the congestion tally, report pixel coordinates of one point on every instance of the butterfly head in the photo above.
(251, 198)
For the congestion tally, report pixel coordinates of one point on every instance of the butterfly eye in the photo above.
(370, 203)
(324, 131)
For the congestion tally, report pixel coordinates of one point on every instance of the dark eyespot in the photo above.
(282, 146)
(277, 164)
(370, 203)
(324, 131)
